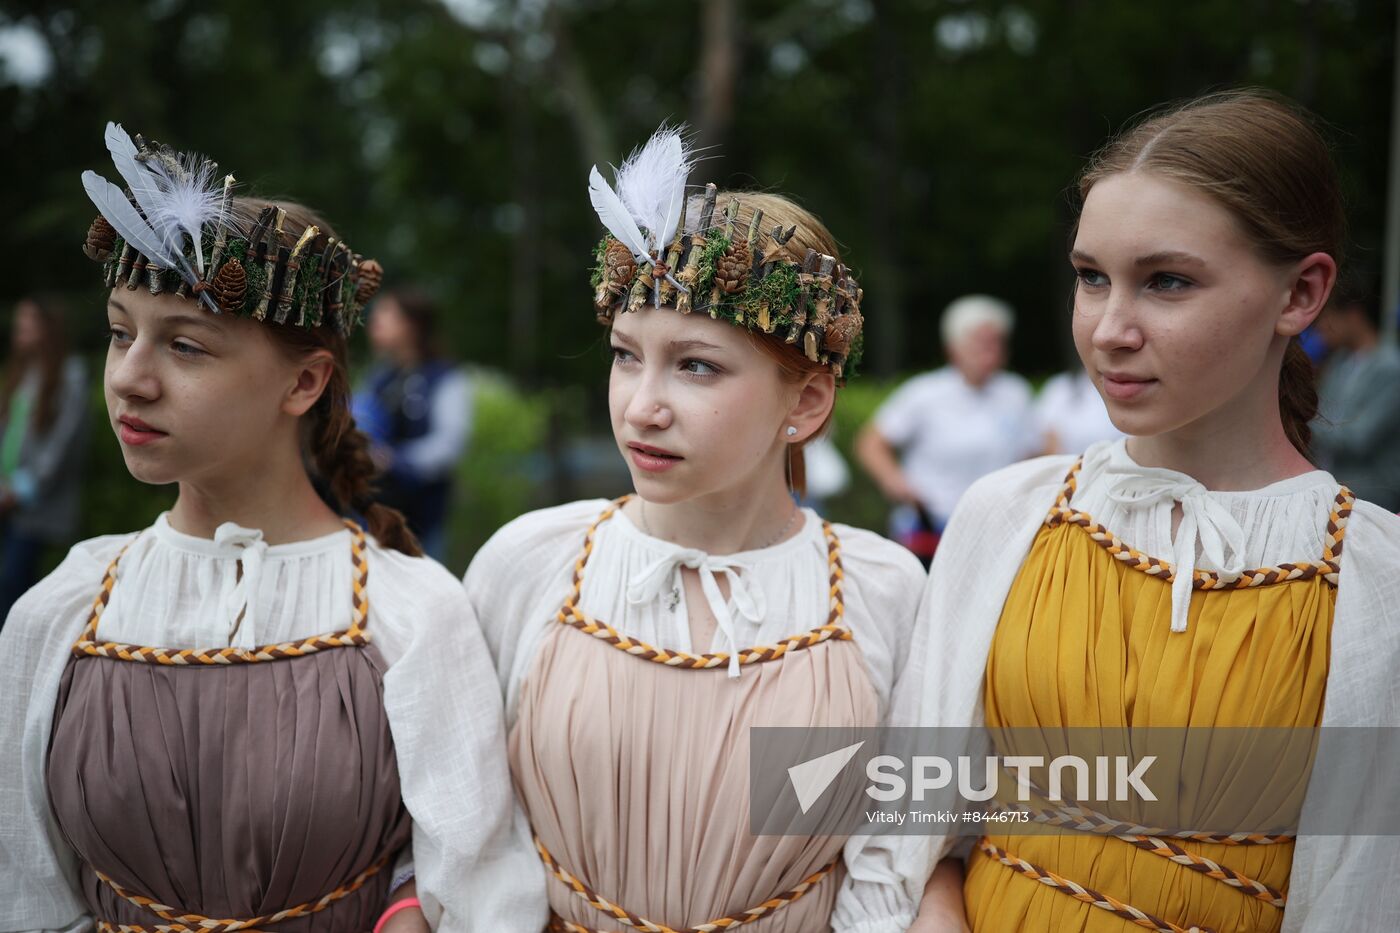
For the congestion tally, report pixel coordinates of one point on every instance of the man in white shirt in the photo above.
(955, 424)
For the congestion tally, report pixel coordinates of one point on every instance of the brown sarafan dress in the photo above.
(632, 763)
(229, 789)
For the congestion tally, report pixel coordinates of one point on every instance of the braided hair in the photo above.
(336, 450)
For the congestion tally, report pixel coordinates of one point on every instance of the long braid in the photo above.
(1297, 395)
(339, 450)
(341, 454)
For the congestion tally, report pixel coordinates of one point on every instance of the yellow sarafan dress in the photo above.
(1085, 640)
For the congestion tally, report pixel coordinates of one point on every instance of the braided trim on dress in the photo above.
(570, 614)
(194, 923)
(354, 636)
(624, 916)
(1084, 819)
(1133, 915)
(1327, 568)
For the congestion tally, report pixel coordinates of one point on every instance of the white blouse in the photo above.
(1333, 878)
(520, 578)
(178, 591)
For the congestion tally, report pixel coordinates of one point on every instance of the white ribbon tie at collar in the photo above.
(664, 573)
(1205, 523)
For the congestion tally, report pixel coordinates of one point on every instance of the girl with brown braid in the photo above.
(226, 720)
(1201, 573)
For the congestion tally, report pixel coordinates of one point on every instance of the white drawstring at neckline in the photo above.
(665, 572)
(1204, 522)
(243, 597)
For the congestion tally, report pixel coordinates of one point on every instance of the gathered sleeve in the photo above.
(940, 684)
(884, 584)
(38, 870)
(518, 580)
(510, 592)
(1353, 876)
(445, 714)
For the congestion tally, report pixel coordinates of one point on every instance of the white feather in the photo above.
(138, 177)
(176, 204)
(112, 203)
(614, 215)
(651, 183)
(187, 201)
(123, 152)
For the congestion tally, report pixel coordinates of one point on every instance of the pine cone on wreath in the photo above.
(101, 239)
(367, 283)
(841, 333)
(620, 266)
(230, 285)
(732, 268)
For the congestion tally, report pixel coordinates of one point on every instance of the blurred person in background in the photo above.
(827, 473)
(43, 406)
(953, 425)
(416, 407)
(1071, 414)
(1357, 436)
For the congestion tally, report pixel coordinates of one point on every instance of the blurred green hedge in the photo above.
(494, 480)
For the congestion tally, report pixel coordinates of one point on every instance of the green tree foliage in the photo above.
(452, 140)
(938, 138)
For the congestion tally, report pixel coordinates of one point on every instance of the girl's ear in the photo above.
(812, 407)
(1312, 283)
(311, 381)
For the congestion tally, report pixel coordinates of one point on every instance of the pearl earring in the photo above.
(791, 431)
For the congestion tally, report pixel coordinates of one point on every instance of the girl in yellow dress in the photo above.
(1208, 239)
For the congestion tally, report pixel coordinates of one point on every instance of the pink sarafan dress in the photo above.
(632, 763)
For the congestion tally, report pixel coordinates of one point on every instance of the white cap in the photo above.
(971, 311)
